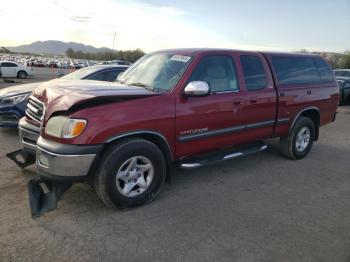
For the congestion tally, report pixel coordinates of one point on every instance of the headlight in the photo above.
(15, 99)
(64, 127)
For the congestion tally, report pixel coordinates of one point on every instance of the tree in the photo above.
(70, 52)
(345, 61)
(128, 55)
(5, 50)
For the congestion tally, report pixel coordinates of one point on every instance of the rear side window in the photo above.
(254, 73)
(218, 71)
(324, 70)
(295, 70)
(6, 64)
(301, 70)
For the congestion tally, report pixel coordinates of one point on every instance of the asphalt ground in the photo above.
(259, 208)
(40, 74)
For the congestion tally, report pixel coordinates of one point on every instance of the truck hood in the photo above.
(64, 94)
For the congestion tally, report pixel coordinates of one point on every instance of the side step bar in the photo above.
(223, 155)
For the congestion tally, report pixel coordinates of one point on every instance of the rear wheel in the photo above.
(132, 173)
(300, 140)
(22, 75)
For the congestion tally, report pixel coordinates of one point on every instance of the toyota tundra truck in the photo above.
(183, 107)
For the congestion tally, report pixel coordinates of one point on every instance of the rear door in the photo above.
(260, 100)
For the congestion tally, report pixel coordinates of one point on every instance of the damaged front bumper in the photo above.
(59, 166)
(28, 136)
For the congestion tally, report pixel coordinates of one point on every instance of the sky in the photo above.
(281, 25)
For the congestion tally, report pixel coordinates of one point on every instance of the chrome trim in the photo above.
(226, 92)
(284, 120)
(260, 124)
(197, 88)
(233, 155)
(30, 135)
(36, 100)
(29, 144)
(191, 165)
(60, 155)
(63, 165)
(263, 147)
(186, 138)
(32, 108)
(142, 132)
(27, 130)
(223, 131)
(33, 112)
(302, 111)
(32, 116)
(224, 158)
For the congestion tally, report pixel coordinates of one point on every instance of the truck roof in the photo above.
(194, 51)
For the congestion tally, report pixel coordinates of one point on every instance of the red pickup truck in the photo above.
(190, 107)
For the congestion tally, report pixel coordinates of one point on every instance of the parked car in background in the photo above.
(189, 107)
(14, 69)
(13, 100)
(343, 79)
(342, 73)
(116, 62)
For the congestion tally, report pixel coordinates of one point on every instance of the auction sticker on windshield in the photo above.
(180, 58)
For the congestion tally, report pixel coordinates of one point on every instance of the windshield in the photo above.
(79, 74)
(159, 71)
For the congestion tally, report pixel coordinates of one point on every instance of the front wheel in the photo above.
(131, 173)
(300, 140)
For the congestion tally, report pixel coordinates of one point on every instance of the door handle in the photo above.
(237, 103)
(253, 100)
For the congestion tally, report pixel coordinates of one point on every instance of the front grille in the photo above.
(8, 118)
(35, 109)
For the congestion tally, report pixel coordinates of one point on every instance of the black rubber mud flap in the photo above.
(21, 159)
(44, 195)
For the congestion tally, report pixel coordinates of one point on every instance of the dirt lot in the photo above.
(260, 208)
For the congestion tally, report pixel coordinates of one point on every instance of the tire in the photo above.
(22, 75)
(111, 188)
(292, 146)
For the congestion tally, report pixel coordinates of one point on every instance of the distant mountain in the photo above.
(54, 47)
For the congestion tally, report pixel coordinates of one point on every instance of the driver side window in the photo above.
(218, 71)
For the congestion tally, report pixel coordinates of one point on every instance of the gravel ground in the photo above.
(260, 208)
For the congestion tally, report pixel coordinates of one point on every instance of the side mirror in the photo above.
(197, 88)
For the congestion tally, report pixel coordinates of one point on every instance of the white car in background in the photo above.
(14, 69)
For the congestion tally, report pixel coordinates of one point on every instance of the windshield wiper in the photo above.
(149, 87)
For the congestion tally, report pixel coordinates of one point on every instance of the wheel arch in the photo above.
(314, 114)
(155, 137)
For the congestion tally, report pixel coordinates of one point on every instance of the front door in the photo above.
(210, 122)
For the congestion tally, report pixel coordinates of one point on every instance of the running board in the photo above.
(223, 155)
